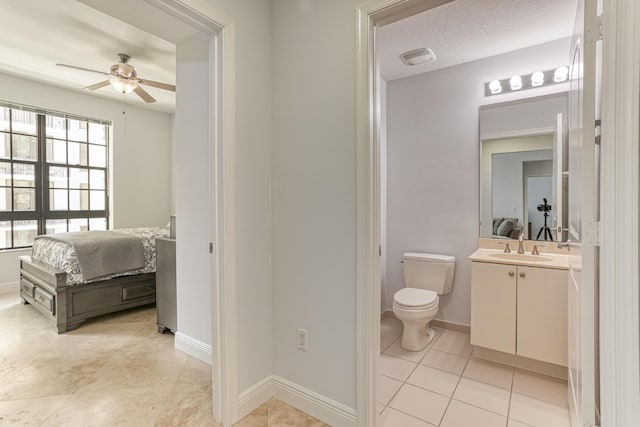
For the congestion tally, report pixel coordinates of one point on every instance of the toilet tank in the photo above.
(428, 271)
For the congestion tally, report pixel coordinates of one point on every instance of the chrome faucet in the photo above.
(520, 242)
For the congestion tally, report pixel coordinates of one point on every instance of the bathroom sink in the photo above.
(521, 257)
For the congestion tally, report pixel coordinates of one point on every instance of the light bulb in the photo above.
(561, 74)
(537, 79)
(123, 85)
(515, 82)
(495, 87)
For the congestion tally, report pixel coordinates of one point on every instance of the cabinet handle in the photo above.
(522, 274)
(511, 274)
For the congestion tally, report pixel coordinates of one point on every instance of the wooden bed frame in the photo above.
(66, 307)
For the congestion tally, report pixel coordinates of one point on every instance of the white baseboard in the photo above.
(438, 323)
(452, 326)
(9, 288)
(255, 396)
(193, 347)
(521, 362)
(314, 404)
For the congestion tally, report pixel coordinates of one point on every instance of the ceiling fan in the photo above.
(124, 79)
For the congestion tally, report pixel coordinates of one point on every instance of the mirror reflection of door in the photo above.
(538, 184)
(508, 160)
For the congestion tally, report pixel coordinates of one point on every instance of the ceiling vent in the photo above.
(418, 56)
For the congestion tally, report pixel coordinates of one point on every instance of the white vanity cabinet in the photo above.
(542, 314)
(493, 306)
(520, 310)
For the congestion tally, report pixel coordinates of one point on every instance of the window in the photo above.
(53, 175)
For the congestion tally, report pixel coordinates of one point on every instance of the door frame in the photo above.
(619, 251)
(619, 304)
(370, 14)
(224, 326)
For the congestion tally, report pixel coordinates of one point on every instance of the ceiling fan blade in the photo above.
(83, 69)
(159, 85)
(144, 95)
(97, 85)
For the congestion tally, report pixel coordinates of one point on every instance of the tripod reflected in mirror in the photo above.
(545, 230)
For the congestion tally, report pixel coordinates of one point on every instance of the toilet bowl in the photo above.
(426, 277)
(415, 308)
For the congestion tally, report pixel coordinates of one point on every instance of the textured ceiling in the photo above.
(37, 34)
(466, 30)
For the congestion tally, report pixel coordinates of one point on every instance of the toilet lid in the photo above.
(412, 297)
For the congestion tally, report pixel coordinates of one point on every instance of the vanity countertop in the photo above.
(544, 260)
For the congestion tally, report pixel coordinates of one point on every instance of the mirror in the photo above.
(523, 187)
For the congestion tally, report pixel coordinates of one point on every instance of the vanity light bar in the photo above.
(527, 81)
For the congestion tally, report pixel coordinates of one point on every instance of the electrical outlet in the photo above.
(302, 339)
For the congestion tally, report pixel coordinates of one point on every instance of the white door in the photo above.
(560, 179)
(583, 356)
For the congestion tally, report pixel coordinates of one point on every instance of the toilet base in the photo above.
(416, 337)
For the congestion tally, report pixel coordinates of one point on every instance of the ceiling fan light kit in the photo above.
(123, 85)
(124, 79)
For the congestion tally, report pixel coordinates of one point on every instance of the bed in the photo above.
(71, 277)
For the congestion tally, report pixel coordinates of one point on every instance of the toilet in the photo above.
(425, 277)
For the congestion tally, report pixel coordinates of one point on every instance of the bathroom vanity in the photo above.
(519, 301)
(519, 305)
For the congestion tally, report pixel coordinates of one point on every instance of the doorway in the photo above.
(220, 176)
(369, 179)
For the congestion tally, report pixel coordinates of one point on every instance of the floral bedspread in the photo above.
(62, 256)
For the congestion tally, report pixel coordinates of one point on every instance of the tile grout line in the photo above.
(513, 379)
(486, 383)
(413, 416)
(460, 376)
(386, 405)
(455, 388)
(430, 346)
(394, 394)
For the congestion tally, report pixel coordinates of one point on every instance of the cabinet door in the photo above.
(493, 306)
(542, 314)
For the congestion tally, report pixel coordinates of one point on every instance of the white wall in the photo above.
(433, 162)
(9, 270)
(253, 192)
(140, 162)
(314, 194)
(192, 183)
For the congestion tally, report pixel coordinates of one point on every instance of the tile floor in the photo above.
(444, 385)
(117, 370)
(113, 370)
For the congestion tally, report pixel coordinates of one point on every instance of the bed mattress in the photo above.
(62, 256)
